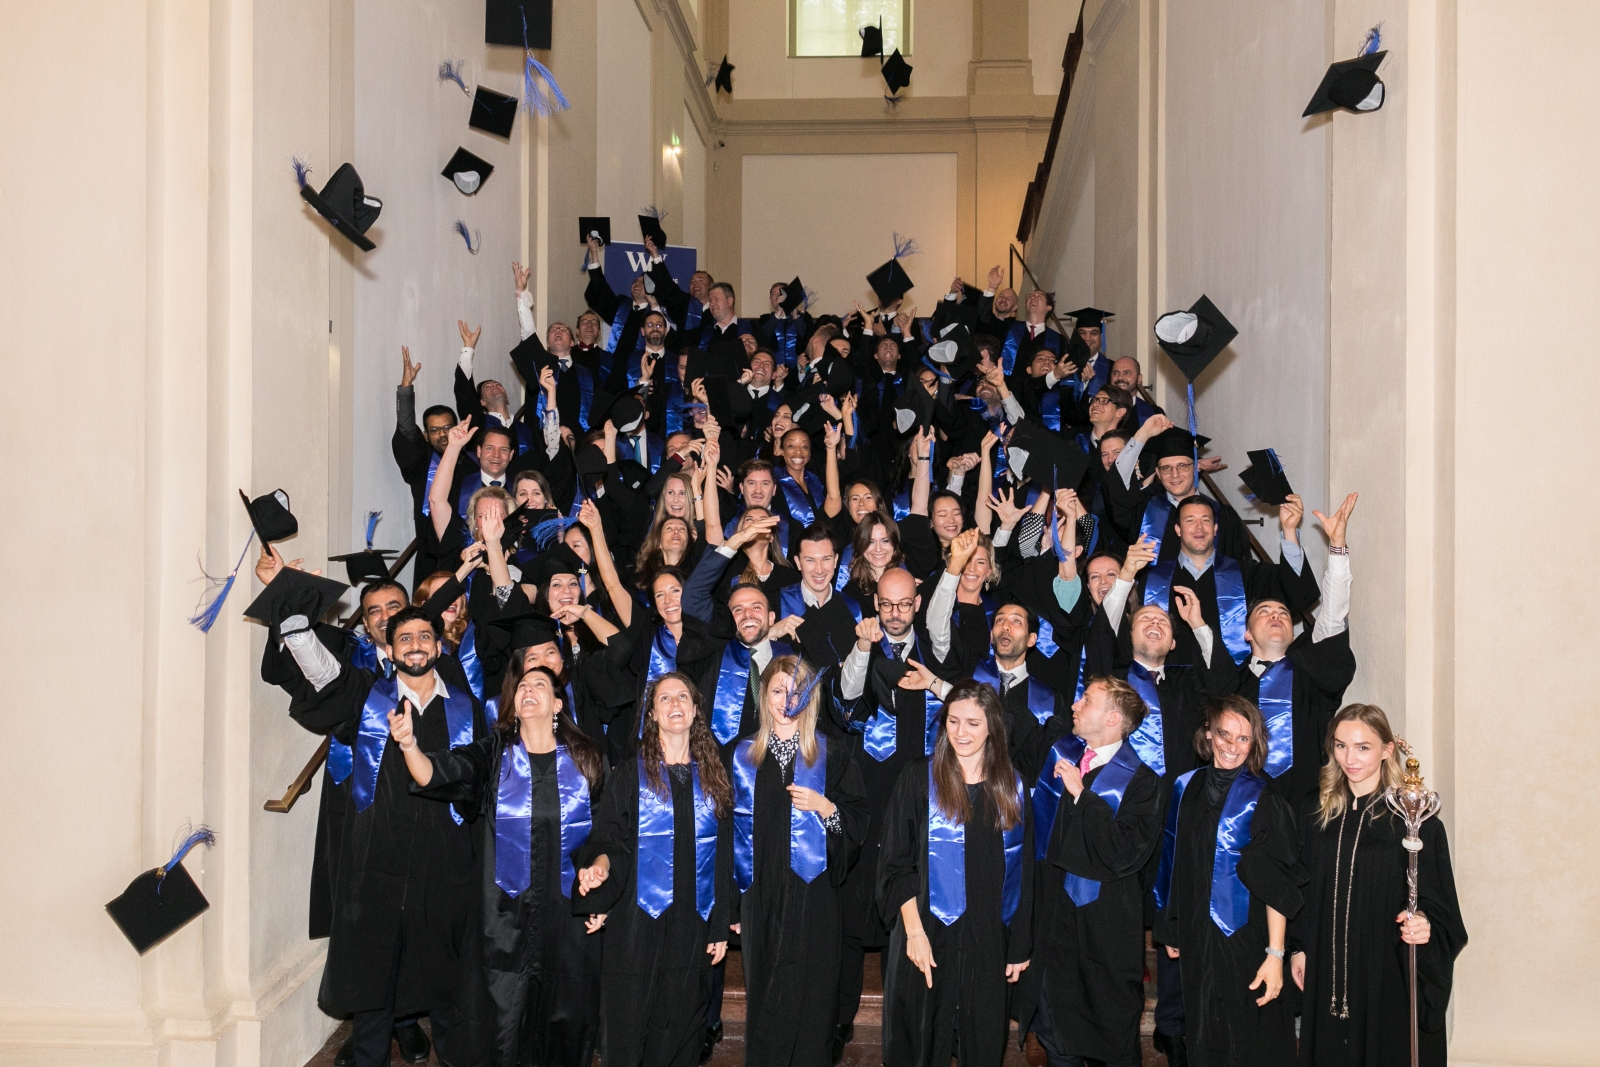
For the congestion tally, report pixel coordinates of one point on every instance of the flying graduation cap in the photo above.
(1265, 478)
(1352, 84)
(493, 113)
(794, 294)
(518, 23)
(724, 77)
(1036, 454)
(345, 203)
(954, 355)
(468, 171)
(162, 900)
(1192, 339)
(890, 281)
(596, 226)
(369, 563)
(896, 71)
(270, 515)
(650, 226)
(872, 40)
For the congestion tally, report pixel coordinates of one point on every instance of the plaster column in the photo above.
(1000, 88)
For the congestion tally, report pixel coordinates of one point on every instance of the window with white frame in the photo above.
(832, 27)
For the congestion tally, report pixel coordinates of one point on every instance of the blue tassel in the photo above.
(469, 235)
(655, 213)
(1055, 526)
(1272, 458)
(891, 101)
(302, 171)
(203, 836)
(451, 71)
(1373, 41)
(810, 297)
(533, 97)
(905, 246)
(799, 696)
(549, 531)
(210, 606)
(372, 526)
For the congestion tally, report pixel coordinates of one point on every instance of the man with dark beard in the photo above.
(404, 881)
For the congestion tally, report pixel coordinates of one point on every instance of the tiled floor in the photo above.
(864, 1051)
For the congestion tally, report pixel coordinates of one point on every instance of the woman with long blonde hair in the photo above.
(799, 816)
(955, 878)
(1350, 941)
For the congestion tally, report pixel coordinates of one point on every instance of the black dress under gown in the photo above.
(1356, 964)
(1223, 1027)
(654, 973)
(970, 992)
(789, 929)
(539, 998)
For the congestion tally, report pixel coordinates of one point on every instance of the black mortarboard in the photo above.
(1089, 317)
(529, 628)
(596, 226)
(794, 294)
(345, 203)
(557, 559)
(295, 592)
(954, 354)
(727, 400)
(270, 515)
(725, 76)
(1036, 453)
(468, 171)
(913, 408)
(503, 23)
(890, 282)
(160, 901)
(492, 112)
(1265, 478)
(650, 226)
(805, 408)
(590, 461)
(1174, 441)
(896, 72)
(837, 376)
(872, 40)
(1195, 337)
(1352, 84)
(704, 364)
(626, 415)
(368, 564)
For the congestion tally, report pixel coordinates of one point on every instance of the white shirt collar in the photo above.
(404, 690)
(1017, 674)
(1197, 570)
(811, 599)
(490, 479)
(1157, 673)
(759, 390)
(1102, 756)
(761, 653)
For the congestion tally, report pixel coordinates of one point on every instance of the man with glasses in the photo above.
(1168, 452)
(417, 452)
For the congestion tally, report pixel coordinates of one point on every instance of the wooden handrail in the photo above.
(302, 781)
(1034, 198)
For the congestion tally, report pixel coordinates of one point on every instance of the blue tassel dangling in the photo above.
(549, 531)
(810, 296)
(1373, 41)
(799, 696)
(210, 606)
(905, 246)
(302, 171)
(535, 98)
(202, 836)
(372, 526)
(890, 102)
(451, 70)
(469, 236)
(654, 212)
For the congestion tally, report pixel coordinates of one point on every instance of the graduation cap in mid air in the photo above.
(162, 900)
(1265, 478)
(794, 294)
(727, 400)
(493, 113)
(805, 408)
(954, 355)
(650, 226)
(913, 408)
(837, 376)
(1038, 455)
(896, 71)
(468, 171)
(529, 628)
(295, 592)
(1352, 84)
(518, 23)
(626, 415)
(1195, 337)
(270, 515)
(371, 564)
(345, 203)
(872, 40)
(724, 77)
(890, 281)
(596, 226)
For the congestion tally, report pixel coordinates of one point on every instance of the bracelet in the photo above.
(917, 933)
(1275, 952)
(1338, 550)
(410, 747)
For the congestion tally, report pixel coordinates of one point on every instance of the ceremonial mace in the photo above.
(1416, 804)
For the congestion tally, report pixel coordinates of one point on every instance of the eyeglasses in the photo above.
(898, 607)
(1175, 468)
(1093, 400)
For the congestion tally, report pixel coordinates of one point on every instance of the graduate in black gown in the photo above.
(800, 813)
(659, 864)
(1349, 944)
(955, 880)
(1097, 819)
(1228, 931)
(532, 782)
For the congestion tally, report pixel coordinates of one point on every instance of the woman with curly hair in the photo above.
(659, 864)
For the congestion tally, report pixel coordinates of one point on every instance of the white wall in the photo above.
(420, 279)
(1246, 224)
(624, 155)
(1050, 23)
(758, 45)
(693, 162)
(830, 219)
(1074, 274)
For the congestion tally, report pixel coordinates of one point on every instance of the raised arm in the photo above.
(439, 507)
(401, 729)
(711, 462)
(984, 509)
(921, 470)
(1335, 613)
(832, 502)
(589, 515)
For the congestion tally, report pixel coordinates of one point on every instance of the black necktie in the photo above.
(900, 651)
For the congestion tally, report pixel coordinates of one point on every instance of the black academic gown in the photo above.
(1089, 961)
(1125, 508)
(655, 973)
(405, 870)
(970, 992)
(539, 967)
(1182, 688)
(1356, 964)
(827, 632)
(1223, 1027)
(789, 929)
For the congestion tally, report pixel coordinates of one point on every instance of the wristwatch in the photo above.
(1278, 952)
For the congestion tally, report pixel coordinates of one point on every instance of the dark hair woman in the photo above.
(873, 549)
(659, 862)
(533, 783)
(1228, 882)
(799, 816)
(955, 876)
(1349, 944)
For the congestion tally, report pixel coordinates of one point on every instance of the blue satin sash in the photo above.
(1157, 519)
(654, 890)
(1110, 785)
(1050, 408)
(618, 321)
(841, 577)
(1013, 342)
(363, 654)
(469, 485)
(787, 334)
(1047, 639)
(693, 314)
(427, 487)
(1277, 708)
(1231, 605)
(585, 394)
(467, 656)
(808, 839)
(513, 818)
(947, 861)
(901, 504)
(799, 507)
(791, 601)
(663, 660)
(373, 735)
(1041, 698)
(1230, 900)
(1149, 740)
(733, 681)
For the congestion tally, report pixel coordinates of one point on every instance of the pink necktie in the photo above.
(1088, 758)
